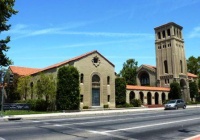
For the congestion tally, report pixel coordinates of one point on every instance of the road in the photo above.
(146, 125)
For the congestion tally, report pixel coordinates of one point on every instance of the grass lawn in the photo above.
(24, 112)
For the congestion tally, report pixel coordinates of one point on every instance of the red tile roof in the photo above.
(189, 74)
(73, 59)
(147, 88)
(192, 75)
(23, 71)
(152, 67)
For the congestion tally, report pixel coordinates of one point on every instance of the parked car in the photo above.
(175, 104)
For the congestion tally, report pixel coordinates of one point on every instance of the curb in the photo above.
(81, 113)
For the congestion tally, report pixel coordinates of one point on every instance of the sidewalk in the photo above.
(96, 112)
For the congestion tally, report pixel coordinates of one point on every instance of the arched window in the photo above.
(82, 78)
(144, 79)
(181, 66)
(95, 81)
(166, 66)
(108, 80)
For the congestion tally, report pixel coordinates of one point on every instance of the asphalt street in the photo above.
(146, 125)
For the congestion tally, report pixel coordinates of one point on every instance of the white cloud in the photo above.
(195, 33)
(107, 34)
(23, 31)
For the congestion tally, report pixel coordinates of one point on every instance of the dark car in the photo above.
(175, 104)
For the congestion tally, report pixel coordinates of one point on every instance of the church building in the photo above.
(153, 82)
(97, 74)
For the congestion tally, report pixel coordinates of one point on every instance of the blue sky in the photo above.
(45, 32)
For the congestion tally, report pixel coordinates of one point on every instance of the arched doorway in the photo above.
(149, 98)
(141, 97)
(95, 90)
(156, 98)
(163, 97)
(131, 96)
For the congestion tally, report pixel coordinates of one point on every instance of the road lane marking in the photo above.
(151, 125)
(91, 122)
(91, 117)
(115, 136)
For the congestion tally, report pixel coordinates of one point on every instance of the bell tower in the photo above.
(170, 57)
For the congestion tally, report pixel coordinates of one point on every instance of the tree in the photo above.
(11, 89)
(129, 71)
(68, 93)
(46, 87)
(193, 90)
(6, 11)
(193, 65)
(120, 91)
(175, 91)
(199, 81)
(23, 86)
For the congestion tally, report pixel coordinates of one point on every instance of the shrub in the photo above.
(120, 91)
(85, 107)
(41, 105)
(68, 92)
(165, 101)
(105, 106)
(36, 104)
(136, 102)
(124, 105)
(128, 105)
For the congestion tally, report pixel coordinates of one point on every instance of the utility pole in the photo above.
(3, 92)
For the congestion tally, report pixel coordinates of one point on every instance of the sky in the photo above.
(46, 32)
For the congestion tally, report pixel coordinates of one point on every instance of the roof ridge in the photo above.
(23, 67)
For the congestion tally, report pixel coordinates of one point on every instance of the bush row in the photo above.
(38, 104)
(133, 103)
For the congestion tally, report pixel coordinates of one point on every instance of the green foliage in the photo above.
(193, 103)
(85, 107)
(120, 91)
(36, 104)
(193, 90)
(175, 91)
(129, 71)
(23, 112)
(193, 65)
(6, 11)
(46, 87)
(68, 89)
(198, 81)
(12, 95)
(105, 106)
(23, 86)
(11, 89)
(125, 105)
(136, 102)
(165, 101)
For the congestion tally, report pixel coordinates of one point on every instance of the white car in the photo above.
(175, 104)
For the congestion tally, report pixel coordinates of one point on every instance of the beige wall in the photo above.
(105, 69)
(86, 67)
(137, 96)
